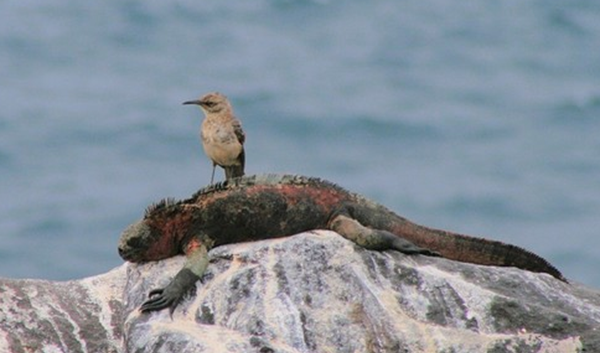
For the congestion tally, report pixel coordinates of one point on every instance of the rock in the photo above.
(317, 292)
(313, 292)
(73, 316)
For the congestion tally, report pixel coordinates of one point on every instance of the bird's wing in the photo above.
(239, 133)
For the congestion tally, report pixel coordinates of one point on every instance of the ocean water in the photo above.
(476, 117)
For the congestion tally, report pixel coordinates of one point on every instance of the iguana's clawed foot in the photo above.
(373, 239)
(431, 253)
(404, 246)
(172, 295)
(160, 299)
(412, 249)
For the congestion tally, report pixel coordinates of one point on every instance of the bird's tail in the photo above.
(235, 171)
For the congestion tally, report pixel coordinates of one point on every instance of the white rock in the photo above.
(313, 292)
(321, 293)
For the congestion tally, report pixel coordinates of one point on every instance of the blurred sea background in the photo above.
(477, 117)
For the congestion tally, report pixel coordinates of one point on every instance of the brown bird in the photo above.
(222, 135)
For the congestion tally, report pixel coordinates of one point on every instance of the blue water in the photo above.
(477, 117)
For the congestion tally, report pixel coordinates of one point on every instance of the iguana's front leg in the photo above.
(373, 239)
(183, 283)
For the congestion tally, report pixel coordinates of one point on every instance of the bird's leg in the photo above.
(212, 177)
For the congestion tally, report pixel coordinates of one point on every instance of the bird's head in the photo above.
(213, 102)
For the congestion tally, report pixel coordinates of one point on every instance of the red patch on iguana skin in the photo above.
(192, 246)
(323, 197)
(171, 231)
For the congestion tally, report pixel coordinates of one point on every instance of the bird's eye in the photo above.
(210, 104)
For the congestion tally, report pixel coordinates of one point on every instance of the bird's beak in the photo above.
(195, 102)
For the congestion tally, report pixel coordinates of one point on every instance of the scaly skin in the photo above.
(271, 206)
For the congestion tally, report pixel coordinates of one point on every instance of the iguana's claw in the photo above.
(430, 253)
(160, 300)
(170, 296)
(154, 292)
(408, 247)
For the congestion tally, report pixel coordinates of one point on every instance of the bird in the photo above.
(221, 134)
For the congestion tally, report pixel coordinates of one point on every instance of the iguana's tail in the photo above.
(473, 249)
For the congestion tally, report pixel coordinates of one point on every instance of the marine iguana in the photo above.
(270, 206)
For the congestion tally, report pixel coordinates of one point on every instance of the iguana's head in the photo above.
(134, 242)
(155, 236)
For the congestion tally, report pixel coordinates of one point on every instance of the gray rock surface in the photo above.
(321, 293)
(313, 292)
(73, 316)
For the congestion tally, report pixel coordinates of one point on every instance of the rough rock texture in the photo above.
(313, 292)
(73, 316)
(321, 293)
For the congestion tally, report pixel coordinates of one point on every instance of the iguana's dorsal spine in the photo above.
(263, 179)
(171, 205)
